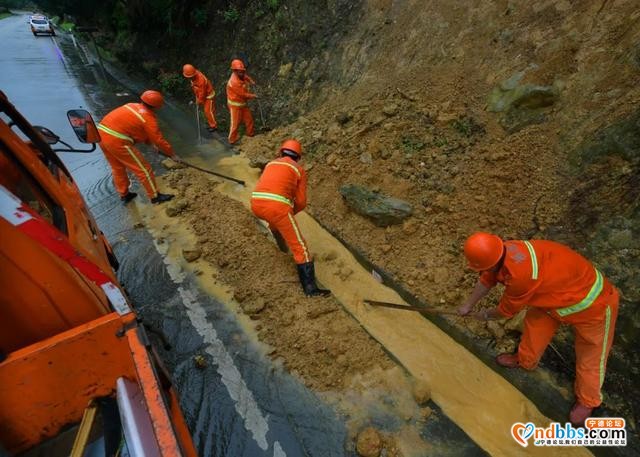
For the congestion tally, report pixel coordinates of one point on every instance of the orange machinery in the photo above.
(76, 369)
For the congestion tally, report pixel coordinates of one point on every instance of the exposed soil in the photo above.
(316, 338)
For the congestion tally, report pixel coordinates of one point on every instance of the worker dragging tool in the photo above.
(280, 193)
(560, 287)
(203, 92)
(121, 129)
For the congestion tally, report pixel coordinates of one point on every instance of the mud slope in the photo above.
(429, 121)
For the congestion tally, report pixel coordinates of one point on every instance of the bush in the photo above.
(232, 14)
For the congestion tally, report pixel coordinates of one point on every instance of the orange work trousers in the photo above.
(280, 218)
(240, 115)
(210, 112)
(122, 156)
(594, 329)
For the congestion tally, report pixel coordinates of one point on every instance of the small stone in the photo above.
(191, 255)
(342, 118)
(496, 329)
(331, 159)
(138, 225)
(386, 248)
(369, 443)
(321, 310)
(200, 362)
(254, 306)
(170, 164)
(175, 207)
(421, 392)
(390, 109)
(329, 256)
(366, 158)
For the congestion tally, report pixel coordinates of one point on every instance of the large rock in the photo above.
(522, 105)
(381, 209)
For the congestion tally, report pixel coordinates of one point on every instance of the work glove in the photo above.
(191, 102)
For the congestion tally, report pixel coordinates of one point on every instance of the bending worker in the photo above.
(560, 287)
(281, 192)
(237, 96)
(121, 129)
(204, 93)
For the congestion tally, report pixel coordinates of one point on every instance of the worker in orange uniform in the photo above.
(560, 287)
(121, 129)
(237, 96)
(204, 93)
(281, 192)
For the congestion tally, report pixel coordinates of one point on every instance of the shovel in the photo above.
(190, 165)
(420, 309)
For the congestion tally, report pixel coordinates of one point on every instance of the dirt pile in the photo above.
(315, 338)
(416, 126)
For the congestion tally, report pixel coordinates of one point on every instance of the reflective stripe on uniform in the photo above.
(299, 237)
(534, 260)
(605, 342)
(269, 196)
(213, 94)
(106, 129)
(239, 104)
(587, 301)
(143, 168)
(287, 164)
(138, 115)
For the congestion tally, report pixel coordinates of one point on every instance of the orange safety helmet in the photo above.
(152, 98)
(188, 70)
(483, 250)
(237, 64)
(293, 146)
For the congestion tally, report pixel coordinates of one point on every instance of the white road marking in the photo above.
(244, 403)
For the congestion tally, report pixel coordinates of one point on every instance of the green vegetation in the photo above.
(467, 126)
(411, 144)
(3, 15)
(231, 14)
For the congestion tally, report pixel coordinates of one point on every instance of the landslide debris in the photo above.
(314, 337)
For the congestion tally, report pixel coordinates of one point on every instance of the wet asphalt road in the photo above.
(240, 404)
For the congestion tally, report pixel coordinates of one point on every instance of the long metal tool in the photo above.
(204, 170)
(198, 122)
(420, 309)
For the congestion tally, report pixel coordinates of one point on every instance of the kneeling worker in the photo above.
(121, 129)
(560, 287)
(280, 193)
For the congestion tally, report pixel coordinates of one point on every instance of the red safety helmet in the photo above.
(483, 250)
(188, 70)
(152, 98)
(237, 64)
(293, 146)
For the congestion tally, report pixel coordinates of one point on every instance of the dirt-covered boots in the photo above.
(307, 275)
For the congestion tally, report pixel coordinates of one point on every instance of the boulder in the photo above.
(528, 96)
(381, 209)
(390, 109)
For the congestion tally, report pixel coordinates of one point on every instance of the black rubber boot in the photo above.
(307, 275)
(127, 198)
(282, 244)
(160, 198)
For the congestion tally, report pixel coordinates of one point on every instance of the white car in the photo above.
(40, 24)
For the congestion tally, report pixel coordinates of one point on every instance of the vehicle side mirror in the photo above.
(47, 135)
(83, 126)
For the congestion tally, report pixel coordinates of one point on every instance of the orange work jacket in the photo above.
(202, 88)
(546, 274)
(283, 180)
(135, 123)
(238, 90)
